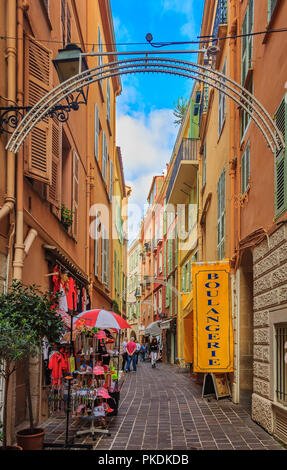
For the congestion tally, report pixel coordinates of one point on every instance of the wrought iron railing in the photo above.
(188, 150)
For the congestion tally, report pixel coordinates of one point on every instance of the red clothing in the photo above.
(72, 295)
(131, 347)
(57, 364)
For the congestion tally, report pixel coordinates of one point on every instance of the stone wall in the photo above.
(270, 293)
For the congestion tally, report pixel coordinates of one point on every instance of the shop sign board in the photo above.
(213, 333)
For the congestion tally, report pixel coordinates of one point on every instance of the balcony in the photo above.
(184, 172)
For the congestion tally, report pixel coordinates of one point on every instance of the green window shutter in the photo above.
(167, 294)
(170, 293)
(164, 260)
(280, 162)
(188, 277)
(183, 287)
(176, 248)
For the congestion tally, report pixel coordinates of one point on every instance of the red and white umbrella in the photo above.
(98, 318)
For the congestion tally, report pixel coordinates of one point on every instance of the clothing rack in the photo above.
(69, 443)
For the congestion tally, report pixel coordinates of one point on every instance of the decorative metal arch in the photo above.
(147, 64)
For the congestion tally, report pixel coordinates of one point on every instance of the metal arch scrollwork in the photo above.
(10, 118)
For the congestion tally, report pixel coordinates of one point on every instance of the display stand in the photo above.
(216, 384)
(69, 443)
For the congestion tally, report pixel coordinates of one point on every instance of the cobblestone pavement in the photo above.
(163, 409)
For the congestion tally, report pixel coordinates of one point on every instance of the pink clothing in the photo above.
(131, 347)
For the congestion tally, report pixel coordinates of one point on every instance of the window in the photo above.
(245, 117)
(100, 49)
(75, 204)
(66, 22)
(155, 266)
(245, 169)
(185, 282)
(281, 363)
(105, 257)
(221, 216)
(97, 132)
(221, 106)
(111, 182)
(271, 8)
(247, 42)
(160, 262)
(46, 5)
(97, 246)
(69, 34)
(280, 162)
(108, 101)
(38, 81)
(160, 301)
(204, 166)
(63, 21)
(105, 158)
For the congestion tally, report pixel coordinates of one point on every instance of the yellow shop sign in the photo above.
(213, 333)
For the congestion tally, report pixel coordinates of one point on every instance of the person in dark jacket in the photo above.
(153, 351)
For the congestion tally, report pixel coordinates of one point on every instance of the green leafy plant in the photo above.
(27, 315)
(66, 216)
(179, 110)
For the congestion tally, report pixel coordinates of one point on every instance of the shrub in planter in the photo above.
(15, 343)
(29, 310)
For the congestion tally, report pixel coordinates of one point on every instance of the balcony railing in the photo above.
(188, 150)
(220, 17)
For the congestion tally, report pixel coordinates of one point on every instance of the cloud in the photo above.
(146, 143)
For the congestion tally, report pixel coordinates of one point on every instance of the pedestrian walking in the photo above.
(124, 352)
(137, 351)
(131, 353)
(142, 353)
(153, 351)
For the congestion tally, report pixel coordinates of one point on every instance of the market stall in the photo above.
(83, 370)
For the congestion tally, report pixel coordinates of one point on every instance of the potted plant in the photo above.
(33, 311)
(66, 216)
(15, 343)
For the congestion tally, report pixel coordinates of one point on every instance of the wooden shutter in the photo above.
(38, 82)
(111, 183)
(63, 20)
(96, 239)
(54, 189)
(75, 202)
(97, 132)
(280, 162)
(68, 25)
(108, 101)
(104, 157)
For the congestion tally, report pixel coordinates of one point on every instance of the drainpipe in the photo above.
(32, 234)
(19, 254)
(11, 97)
(232, 153)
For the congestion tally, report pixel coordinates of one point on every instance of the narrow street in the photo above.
(162, 409)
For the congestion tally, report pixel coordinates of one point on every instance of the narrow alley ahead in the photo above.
(162, 409)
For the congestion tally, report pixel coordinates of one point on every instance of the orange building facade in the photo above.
(56, 194)
(243, 200)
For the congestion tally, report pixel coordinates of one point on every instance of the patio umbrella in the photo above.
(98, 318)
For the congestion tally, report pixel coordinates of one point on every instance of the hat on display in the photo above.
(100, 334)
(98, 370)
(102, 392)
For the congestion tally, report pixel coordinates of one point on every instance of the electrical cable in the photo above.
(161, 43)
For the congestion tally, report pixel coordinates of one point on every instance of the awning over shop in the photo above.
(153, 329)
(165, 325)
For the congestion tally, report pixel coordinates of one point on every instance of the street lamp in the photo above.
(67, 66)
(67, 62)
